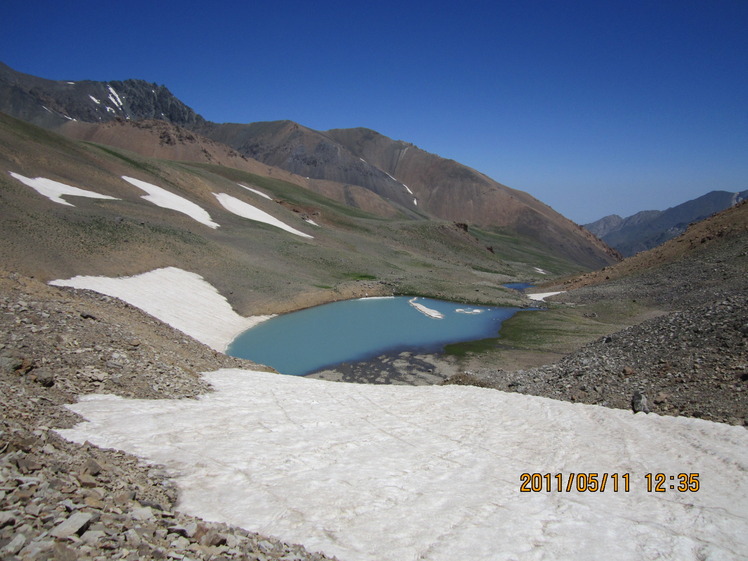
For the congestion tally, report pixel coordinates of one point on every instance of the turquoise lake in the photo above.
(355, 330)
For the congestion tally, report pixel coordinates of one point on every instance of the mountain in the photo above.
(77, 208)
(50, 103)
(358, 167)
(650, 228)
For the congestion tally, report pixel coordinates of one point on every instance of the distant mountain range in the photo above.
(650, 228)
(358, 167)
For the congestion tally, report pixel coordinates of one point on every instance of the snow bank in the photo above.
(256, 192)
(54, 190)
(368, 472)
(191, 304)
(166, 199)
(540, 296)
(246, 210)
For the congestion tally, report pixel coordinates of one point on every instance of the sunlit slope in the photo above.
(329, 250)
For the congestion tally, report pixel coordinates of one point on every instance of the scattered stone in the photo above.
(639, 403)
(76, 523)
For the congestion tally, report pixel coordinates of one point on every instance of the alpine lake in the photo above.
(310, 340)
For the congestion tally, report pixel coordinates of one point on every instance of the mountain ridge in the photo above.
(650, 228)
(412, 182)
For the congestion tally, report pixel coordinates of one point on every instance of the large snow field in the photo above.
(166, 199)
(54, 190)
(379, 473)
(433, 473)
(246, 210)
(190, 304)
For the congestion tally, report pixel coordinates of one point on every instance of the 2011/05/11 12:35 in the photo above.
(598, 482)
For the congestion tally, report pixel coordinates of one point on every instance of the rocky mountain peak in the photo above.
(50, 103)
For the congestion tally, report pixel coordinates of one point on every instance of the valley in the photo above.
(133, 252)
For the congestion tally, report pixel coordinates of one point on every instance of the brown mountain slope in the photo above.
(358, 167)
(163, 140)
(452, 191)
(728, 226)
(417, 182)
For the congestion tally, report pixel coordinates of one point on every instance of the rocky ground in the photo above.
(691, 360)
(60, 500)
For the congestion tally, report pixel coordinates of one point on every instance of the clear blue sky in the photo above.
(593, 106)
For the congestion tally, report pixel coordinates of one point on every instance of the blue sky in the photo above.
(594, 107)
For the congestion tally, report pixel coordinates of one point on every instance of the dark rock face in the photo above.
(50, 103)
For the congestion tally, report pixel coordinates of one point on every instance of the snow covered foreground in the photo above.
(433, 473)
(369, 472)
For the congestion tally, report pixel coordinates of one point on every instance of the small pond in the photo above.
(353, 330)
(520, 286)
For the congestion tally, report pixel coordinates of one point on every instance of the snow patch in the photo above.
(256, 192)
(541, 271)
(54, 190)
(191, 304)
(433, 314)
(166, 199)
(114, 97)
(245, 210)
(387, 473)
(96, 101)
(541, 296)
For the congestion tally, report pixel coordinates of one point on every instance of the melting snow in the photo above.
(255, 191)
(114, 97)
(191, 305)
(541, 271)
(245, 210)
(387, 473)
(166, 199)
(369, 472)
(433, 314)
(54, 190)
(96, 101)
(540, 296)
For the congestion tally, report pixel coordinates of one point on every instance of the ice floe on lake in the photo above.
(434, 314)
(54, 190)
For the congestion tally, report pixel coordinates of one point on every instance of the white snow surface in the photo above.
(371, 472)
(433, 314)
(114, 97)
(246, 210)
(256, 192)
(541, 296)
(54, 190)
(390, 473)
(190, 304)
(166, 199)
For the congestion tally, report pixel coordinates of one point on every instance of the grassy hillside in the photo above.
(259, 267)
